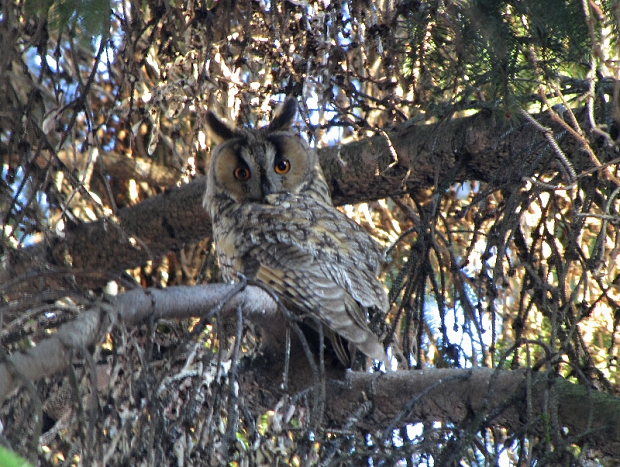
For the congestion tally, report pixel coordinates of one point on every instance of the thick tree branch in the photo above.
(483, 147)
(140, 233)
(130, 308)
(482, 396)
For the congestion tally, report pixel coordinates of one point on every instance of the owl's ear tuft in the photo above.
(220, 129)
(285, 115)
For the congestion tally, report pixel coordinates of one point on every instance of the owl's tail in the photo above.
(357, 336)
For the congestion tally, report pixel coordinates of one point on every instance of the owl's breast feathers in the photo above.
(314, 257)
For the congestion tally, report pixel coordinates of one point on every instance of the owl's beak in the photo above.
(267, 188)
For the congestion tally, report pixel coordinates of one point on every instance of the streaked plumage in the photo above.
(274, 222)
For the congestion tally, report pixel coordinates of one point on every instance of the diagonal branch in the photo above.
(483, 147)
(131, 308)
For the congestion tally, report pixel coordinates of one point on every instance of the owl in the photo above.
(274, 222)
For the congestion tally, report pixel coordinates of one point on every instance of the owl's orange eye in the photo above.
(282, 167)
(241, 173)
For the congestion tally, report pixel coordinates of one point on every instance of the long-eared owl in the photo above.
(274, 222)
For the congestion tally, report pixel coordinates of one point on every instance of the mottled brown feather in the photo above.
(281, 230)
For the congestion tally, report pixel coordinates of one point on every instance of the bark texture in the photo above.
(377, 402)
(483, 147)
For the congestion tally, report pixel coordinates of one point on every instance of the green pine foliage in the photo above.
(82, 18)
(495, 51)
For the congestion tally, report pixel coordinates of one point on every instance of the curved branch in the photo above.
(52, 355)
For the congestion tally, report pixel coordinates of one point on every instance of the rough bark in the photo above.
(143, 232)
(481, 396)
(484, 147)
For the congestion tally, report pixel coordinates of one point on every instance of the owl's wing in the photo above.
(299, 278)
(321, 260)
(346, 251)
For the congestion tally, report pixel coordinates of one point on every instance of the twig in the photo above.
(548, 133)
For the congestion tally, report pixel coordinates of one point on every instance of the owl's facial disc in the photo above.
(259, 170)
(251, 167)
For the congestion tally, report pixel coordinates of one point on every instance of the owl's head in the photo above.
(250, 164)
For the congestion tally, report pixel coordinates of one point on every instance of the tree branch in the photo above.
(483, 147)
(129, 308)
(483, 396)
